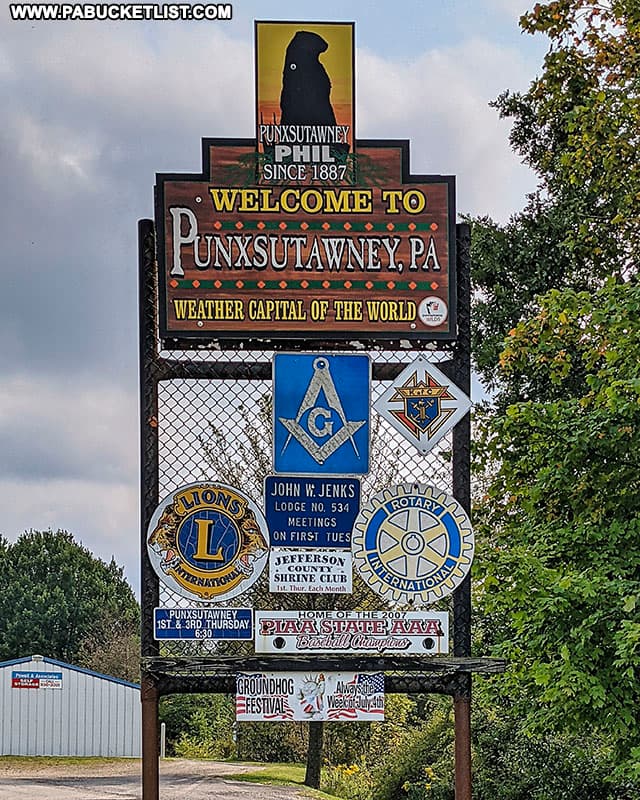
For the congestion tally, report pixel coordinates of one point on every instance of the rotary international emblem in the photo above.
(413, 543)
(208, 541)
(423, 404)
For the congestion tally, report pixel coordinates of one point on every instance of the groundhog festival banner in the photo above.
(310, 696)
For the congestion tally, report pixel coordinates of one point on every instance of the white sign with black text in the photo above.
(331, 696)
(392, 632)
(315, 571)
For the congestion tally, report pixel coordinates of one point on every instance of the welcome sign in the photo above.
(306, 232)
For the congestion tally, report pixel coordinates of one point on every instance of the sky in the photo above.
(90, 112)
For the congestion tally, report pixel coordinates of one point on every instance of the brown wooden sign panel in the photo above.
(240, 258)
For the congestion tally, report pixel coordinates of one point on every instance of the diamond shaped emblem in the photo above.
(423, 404)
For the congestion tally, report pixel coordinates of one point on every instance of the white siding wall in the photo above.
(89, 716)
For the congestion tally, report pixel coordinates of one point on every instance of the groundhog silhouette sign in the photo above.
(306, 88)
(304, 102)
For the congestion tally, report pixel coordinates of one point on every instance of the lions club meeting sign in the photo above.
(208, 541)
(412, 543)
(305, 231)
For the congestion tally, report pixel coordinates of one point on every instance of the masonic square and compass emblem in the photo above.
(423, 404)
(321, 414)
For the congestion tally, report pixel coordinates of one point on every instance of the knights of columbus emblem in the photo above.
(423, 404)
(321, 414)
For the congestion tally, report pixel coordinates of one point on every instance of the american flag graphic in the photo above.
(312, 707)
(374, 684)
(287, 713)
(337, 714)
(373, 679)
(342, 713)
(241, 703)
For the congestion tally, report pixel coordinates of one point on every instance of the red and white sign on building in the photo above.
(36, 680)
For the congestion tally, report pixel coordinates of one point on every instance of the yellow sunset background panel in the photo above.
(272, 39)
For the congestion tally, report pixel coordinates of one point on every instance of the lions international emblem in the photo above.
(208, 541)
(412, 543)
(423, 404)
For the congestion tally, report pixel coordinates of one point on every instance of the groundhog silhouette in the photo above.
(305, 84)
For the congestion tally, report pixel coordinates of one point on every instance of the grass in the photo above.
(34, 762)
(281, 775)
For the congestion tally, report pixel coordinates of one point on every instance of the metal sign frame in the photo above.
(449, 675)
(401, 250)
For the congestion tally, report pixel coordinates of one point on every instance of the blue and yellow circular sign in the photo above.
(208, 541)
(412, 543)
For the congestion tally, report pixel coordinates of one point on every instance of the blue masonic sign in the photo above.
(321, 414)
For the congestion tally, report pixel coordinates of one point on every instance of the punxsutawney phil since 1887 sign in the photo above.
(306, 230)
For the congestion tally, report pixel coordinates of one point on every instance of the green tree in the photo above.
(112, 646)
(578, 128)
(199, 725)
(557, 556)
(560, 524)
(512, 265)
(55, 596)
(509, 764)
(578, 125)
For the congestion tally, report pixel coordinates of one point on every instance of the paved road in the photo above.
(184, 780)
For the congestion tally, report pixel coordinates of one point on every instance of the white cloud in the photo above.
(76, 429)
(61, 158)
(119, 75)
(70, 462)
(103, 517)
(441, 102)
(90, 113)
(513, 8)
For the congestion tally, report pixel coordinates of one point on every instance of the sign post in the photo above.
(296, 277)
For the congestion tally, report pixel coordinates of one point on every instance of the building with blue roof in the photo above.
(49, 708)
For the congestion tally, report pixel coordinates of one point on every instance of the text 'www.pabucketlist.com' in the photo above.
(121, 11)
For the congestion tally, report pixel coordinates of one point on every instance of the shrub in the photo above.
(352, 782)
(420, 763)
(510, 765)
(199, 726)
(272, 741)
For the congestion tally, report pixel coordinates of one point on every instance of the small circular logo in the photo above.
(413, 543)
(208, 541)
(433, 311)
